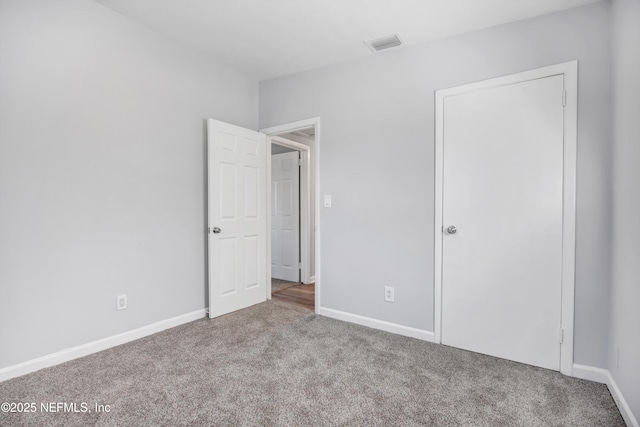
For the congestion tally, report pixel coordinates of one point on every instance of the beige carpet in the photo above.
(276, 364)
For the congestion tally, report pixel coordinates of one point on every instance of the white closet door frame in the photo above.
(570, 72)
(305, 207)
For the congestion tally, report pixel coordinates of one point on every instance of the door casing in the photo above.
(304, 210)
(570, 72)
(305, 183)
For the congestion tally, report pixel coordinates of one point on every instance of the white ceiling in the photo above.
(272, 38)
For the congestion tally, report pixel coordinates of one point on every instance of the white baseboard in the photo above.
(591, 373)
(378, 324)
(96, 346)
(603, 376)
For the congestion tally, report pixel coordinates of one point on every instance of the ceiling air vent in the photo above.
(383, 43)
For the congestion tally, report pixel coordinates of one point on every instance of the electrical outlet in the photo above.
(389, 294)
(121, 302)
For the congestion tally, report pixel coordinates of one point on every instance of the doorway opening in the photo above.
(291, 246)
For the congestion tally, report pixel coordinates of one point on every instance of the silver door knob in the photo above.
(216, 230)
(452, 229)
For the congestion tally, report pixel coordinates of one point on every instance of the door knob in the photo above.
(452, 229)
(216, 230)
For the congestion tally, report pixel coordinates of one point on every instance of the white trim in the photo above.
(603, 376)
(283, 142)
(378, 324)
(96, 346)
(291, 127)
(305, 214)
(570, 72)
(437, 215)
(312, 279)
(591, 373)
(621, 402)
(268, 208)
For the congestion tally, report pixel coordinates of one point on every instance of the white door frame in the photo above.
(570, 72)
(305, 207)
(311, 156)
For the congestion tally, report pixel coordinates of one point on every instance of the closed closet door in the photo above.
(502, 216)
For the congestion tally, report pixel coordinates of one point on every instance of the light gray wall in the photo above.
(102, 173)
(377, 162)
(625, 312)
(279, 149)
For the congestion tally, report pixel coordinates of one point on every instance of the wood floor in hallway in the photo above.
(302, 295)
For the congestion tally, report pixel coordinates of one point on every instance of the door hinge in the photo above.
(299, 266)
(561, 336)
(564, 98)
(299, 162)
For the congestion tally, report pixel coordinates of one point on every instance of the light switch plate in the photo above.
(121, 302)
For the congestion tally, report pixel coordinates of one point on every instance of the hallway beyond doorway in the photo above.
(295, 293)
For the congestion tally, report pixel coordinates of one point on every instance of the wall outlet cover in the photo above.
(389, 294)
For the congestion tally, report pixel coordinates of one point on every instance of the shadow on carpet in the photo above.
(278, 285)
(276, 364)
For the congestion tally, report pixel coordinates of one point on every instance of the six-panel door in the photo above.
(237, 206)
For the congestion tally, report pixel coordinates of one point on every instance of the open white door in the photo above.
(237, 191)
(285, 216)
